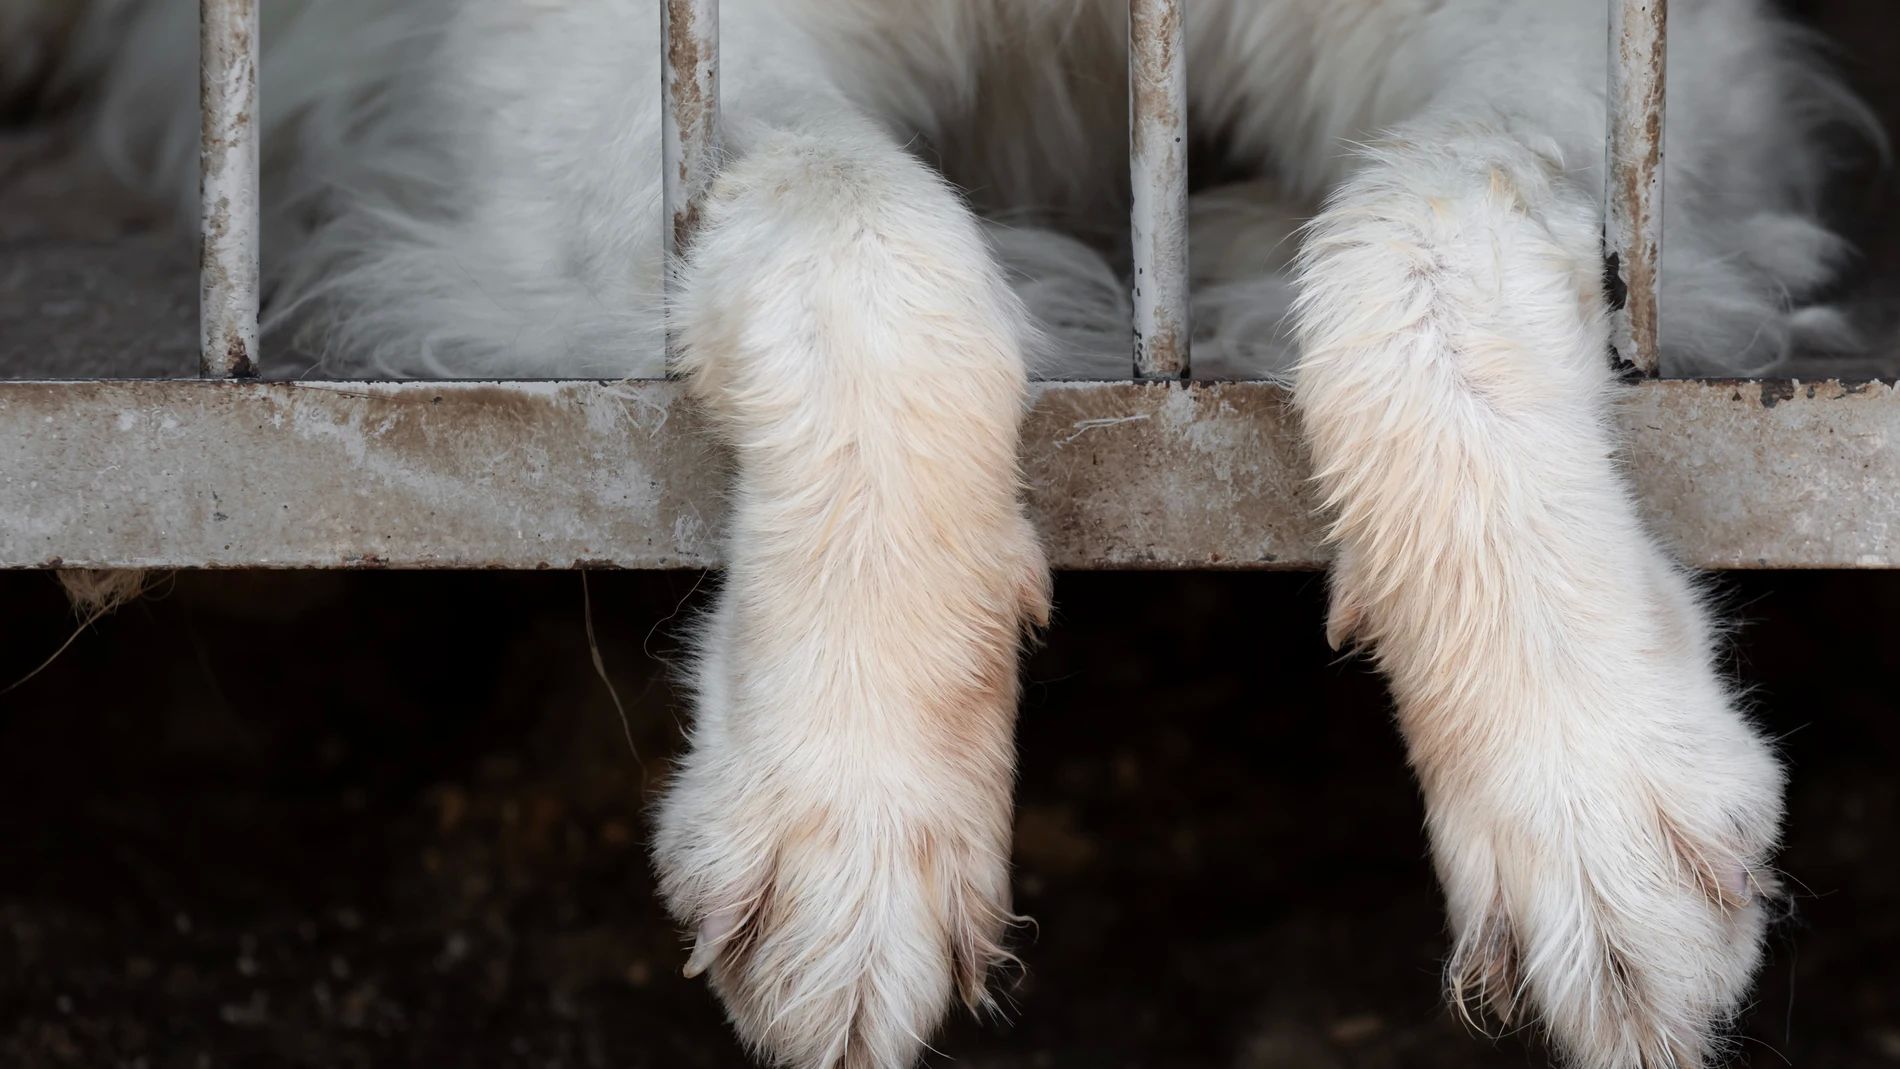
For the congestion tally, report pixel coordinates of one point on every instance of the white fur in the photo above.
(474, 192)
(1600, 812)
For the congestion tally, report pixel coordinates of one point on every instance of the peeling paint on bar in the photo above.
(586, 474)
(689, 34)
(1157, 162)
(1633, 197)
(228, 189)
(689, 42)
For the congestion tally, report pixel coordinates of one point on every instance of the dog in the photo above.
(906, 226)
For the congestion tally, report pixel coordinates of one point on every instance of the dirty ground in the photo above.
(393, 819)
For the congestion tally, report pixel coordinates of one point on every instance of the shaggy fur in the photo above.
(907, 225)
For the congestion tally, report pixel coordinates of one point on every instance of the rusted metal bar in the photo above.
(689, 34)
(689, 43)
(1157, 162)
(228, 189)
(559, 474)
(1633, 198)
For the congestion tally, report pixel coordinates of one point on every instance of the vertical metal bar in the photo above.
(1633, 232)
(689, 41)
(1157, 161)
(227, 189)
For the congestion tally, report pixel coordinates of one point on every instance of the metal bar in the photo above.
(689, 45)
(1157, 162)
(689, 33)
(564, 474)
(1633, 232)
(228, 189)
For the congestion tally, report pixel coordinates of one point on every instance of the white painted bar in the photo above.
(1633, 198)
(689, 46)
(228, 189)
(689, 34)
(1157, 162)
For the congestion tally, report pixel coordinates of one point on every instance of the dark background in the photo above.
(391, 819)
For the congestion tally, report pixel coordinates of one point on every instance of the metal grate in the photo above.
(1157, 107)
(1134, 474)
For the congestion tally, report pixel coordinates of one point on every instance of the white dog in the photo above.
(898, 233)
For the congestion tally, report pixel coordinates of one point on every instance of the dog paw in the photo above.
(836, 920)
(840, 887)
(1623, 912)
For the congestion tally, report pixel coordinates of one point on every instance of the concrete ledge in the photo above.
(190, 474)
